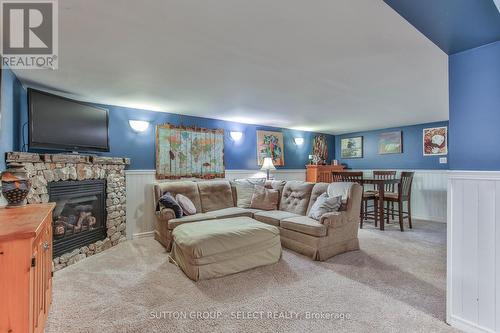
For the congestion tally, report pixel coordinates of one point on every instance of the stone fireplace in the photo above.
(90, 197)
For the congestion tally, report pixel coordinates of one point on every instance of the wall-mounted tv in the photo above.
(60, 123)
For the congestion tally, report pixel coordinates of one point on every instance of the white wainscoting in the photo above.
(428, 200)
(140, 202)
(473, 281)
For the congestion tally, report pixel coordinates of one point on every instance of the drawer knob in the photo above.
(45, 246)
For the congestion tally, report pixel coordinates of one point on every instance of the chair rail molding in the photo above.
(473, 251)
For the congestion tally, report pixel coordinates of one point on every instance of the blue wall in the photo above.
(411, 158)
(475, 108)
(11, 90)
(140, 147)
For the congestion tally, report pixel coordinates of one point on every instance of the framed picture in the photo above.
(351, 147)
(270, 144)
(320, 147)
(189, 152)
(435, 141)
(390, 143)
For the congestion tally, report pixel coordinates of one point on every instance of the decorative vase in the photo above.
(15, 185)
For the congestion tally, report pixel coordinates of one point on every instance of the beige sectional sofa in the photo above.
(335, 233)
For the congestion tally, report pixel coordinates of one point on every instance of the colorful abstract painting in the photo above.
(390, 143)
(270, 144)
(189, 152)
(351, 147)
(320, 147)
(435, 141)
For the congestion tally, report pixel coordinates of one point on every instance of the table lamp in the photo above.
(268, 165)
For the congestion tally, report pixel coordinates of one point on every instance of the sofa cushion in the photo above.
(191, 218)
(215, 195)
(295, 197)
(324, 204)
(305, 225)
(340, 188)
(168, 201)
(186, 204)
(244, 190)
(231, 212)
(318, 189)
(272, 216)
(265, 198)
(187, 188)
(276, 185)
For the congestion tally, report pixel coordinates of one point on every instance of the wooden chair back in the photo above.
(347, 176)
(404, 187)
(385, 175)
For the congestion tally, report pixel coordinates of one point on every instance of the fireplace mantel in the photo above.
(43, 169)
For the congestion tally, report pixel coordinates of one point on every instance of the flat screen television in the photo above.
(63, 124)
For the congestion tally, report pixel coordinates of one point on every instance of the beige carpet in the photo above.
(395, 283)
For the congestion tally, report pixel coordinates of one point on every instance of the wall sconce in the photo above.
(298, 141)
(139, 125)
(235, 135)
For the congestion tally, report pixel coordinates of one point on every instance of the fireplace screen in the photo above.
(79, 215)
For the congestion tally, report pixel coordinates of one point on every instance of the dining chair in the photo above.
(355, 177)
(403, 195)
(388, 188)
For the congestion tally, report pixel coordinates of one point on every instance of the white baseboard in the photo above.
(143, 234)
(467, 326)
(439, 219)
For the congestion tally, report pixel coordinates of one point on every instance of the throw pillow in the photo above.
(186, 204)
(168, 201)
(264, 198)
(276, 185)
(244, 190)
(324, 204)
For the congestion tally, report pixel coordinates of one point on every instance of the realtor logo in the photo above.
(29, 34)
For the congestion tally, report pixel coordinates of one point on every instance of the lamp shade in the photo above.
(268, 164)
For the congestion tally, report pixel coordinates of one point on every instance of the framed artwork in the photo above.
(351, 147)
(435, 141)
(270, 144)
(390, 143)
(189, 152)
(320, 147)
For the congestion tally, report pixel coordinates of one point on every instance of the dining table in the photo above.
(380, 185)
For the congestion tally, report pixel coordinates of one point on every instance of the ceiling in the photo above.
(453, 25)
(328, 66)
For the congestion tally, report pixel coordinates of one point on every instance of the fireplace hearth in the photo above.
(79, 215)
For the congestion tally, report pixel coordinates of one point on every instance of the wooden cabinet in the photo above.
(321, 173)
(25, 267)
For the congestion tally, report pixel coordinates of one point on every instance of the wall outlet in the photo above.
(443, 160)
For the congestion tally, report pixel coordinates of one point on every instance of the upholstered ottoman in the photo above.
(215, 248)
